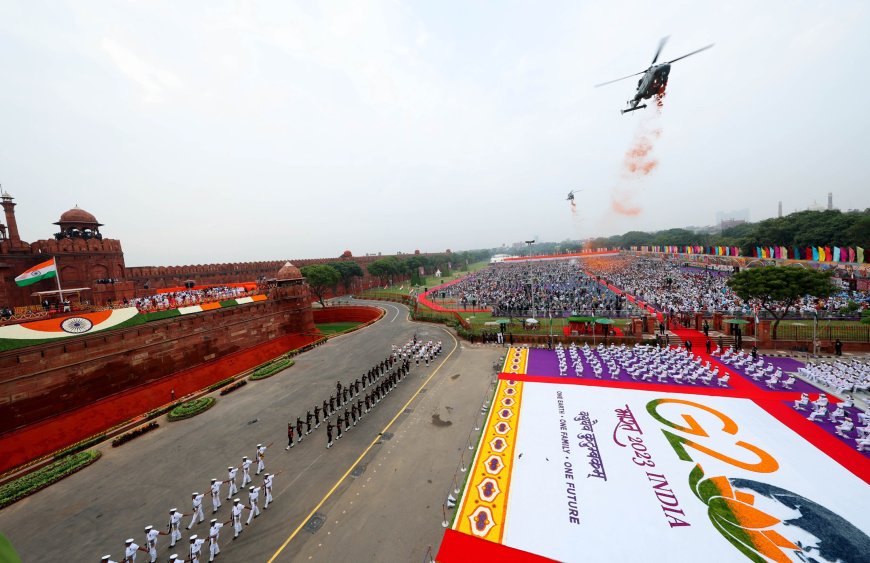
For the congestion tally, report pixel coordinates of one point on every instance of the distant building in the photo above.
(731, 223)
(724, 218)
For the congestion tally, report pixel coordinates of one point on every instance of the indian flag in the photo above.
(43, 271)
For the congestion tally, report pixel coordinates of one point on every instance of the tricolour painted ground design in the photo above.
(586, 469)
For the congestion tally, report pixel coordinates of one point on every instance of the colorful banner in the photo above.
(71, 325)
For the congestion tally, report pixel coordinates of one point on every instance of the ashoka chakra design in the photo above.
(76, 325)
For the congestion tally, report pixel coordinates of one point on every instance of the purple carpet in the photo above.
(830, 426)
(787, 365)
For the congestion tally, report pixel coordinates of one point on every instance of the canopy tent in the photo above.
(581, 319)
(736, 321)
(503, 322)
(604, 321)
(532, 321)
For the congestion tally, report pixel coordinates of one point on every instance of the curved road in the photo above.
(375, 497)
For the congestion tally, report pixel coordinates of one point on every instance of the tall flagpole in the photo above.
(57, 277)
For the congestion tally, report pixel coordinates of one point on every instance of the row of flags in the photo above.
(815, 253)
(690, 249)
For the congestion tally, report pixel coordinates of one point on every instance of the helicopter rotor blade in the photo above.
(692, 53)
(659, 50)
(618, 79)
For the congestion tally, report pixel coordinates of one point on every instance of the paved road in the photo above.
(390, 510)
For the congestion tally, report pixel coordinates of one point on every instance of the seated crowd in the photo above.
(556, 286)
(185, 298)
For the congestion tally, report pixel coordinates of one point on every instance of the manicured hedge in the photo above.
(27, 485)
(127, 436)
(270, 369)
(191, 408)
(219, 384)
(233, 387)
(79, 446)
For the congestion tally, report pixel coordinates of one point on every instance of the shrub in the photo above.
(28, 484)
(270, 369)
(220, 384)
(135, 433)
(79, 446)
(191, 408)
(233, 387)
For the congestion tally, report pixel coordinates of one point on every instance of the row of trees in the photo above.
(804, 228)
(327, 277)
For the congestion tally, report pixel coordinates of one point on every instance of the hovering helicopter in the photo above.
(571, 194)
(654, 79)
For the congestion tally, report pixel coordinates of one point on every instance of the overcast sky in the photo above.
(212, 131)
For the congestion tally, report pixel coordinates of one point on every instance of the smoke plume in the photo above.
(638, 162)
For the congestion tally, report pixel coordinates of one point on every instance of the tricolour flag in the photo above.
(42, 271)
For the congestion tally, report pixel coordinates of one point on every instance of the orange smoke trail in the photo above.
(638, 162)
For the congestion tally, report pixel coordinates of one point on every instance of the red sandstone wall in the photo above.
(43, 381)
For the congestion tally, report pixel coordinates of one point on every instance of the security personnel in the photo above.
(215, 495)
(325, 409)
(338, 427)
(196, 501)
(298, 429)
(290, 441)
(316, 416)
(214, 533)
(328, 434)
(246, 468)
(107, 559)
(331, 405)
(308, 417)
(253, 499)
(174, 526)
(237, 517)
(346, 420)
(231, 479)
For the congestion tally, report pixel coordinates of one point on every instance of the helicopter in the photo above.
(654, 79)
(571, 194)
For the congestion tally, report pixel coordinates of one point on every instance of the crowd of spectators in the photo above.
(184, 298)
(557, 287)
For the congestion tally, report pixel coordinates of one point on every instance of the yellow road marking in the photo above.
(362, 455)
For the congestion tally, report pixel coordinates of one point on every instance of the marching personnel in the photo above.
(107, 559)
(298, 429)
(237, 517)
(195, 548)
(174, 526)
(261, 457)
(267, 489)
(308, 417)
(353, 412)
(338, 427)
(214, 533)
(151, 535)
(253, 498)
(331, 405)
(317, 416)
(325, 409)
(328, 434)
(246, 471)
(346, 420)
(345, 393)
(231, 479)
(215, 495)
(290, 441)
(130, 549)
(174, 558)
(367, 402)
(196, 501)
(359, 408)
(338, 387)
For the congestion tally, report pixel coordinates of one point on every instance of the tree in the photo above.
(777, 289)
(385, 268)
(348, 270)
(320, 277)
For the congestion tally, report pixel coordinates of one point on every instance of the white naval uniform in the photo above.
(195, 550)
(213, 536)
(246, 475)
(216, 495)
(253, 498)
(174, 525)
(197, 511)
(261, 463)
(130, 553)
(151, 543)
(267, 488)
(237, 519)
(231, 477)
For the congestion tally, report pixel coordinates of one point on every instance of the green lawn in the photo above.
(478, 321)
(336, 328)
(428, 281)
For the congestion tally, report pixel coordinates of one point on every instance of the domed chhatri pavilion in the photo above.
(78, 223)
(288, 275)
